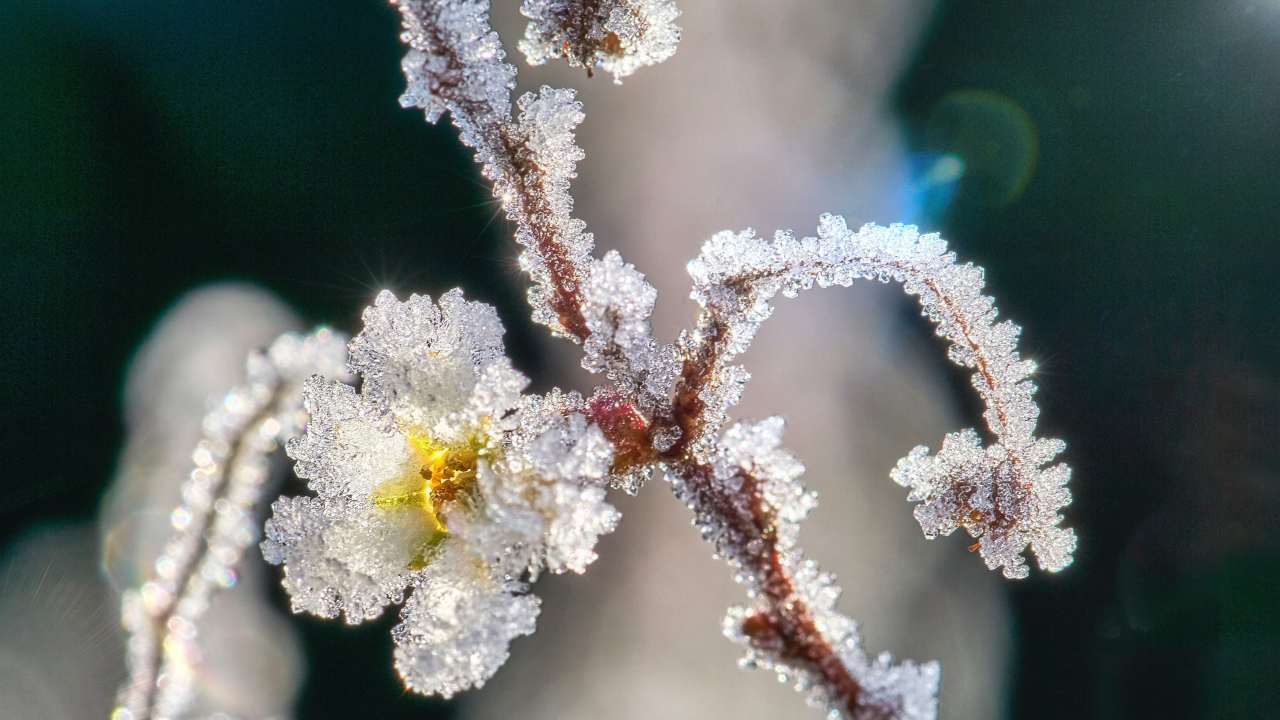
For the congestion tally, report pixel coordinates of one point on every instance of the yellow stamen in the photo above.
(441, 475)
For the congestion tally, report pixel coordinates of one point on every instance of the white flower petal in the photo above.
(421, 359)
(339, 562)
(457, 627)
(349, 447)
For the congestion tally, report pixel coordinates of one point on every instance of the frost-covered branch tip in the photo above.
(1001, 494)
(617, 36)
(456, 64)
(215, 522)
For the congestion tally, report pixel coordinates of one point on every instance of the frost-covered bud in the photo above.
(617, 36)
(438, 479)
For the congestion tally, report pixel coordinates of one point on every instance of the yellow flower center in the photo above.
(442, 474)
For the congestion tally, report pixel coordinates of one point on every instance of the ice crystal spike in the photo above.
(216, 521)
(441, 481)
(617, 36)
(1001, 494)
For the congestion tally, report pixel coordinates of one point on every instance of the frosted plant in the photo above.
(618, 36)
(441, 486)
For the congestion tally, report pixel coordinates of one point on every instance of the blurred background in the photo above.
(1111, 164)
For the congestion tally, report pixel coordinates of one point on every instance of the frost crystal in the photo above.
(216, 521)
(618, 36)
(1001, 494)
(439, 479)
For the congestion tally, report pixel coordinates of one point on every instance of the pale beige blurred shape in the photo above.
(769, 114)
(62, 650)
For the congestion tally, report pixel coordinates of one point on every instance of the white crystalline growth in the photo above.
(754, 453)
(455, 64)
(977, 488)
(617, 36)
(1001, 494)
(440, 480)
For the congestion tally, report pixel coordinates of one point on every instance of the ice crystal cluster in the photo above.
(441, 486)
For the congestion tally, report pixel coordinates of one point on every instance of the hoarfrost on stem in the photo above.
(215, 522)
(1001, 494)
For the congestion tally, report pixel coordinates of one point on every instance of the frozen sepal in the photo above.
(617, 36)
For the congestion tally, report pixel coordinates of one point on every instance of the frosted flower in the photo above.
(618, 36)
(438, 479)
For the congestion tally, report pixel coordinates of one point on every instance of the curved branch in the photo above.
(1002, 493)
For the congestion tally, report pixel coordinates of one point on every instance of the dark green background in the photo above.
(146, 147)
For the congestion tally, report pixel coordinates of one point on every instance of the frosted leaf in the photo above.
(618, 305)
(457, 627)
(439, 475)
(999, 493)
(618, 36)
